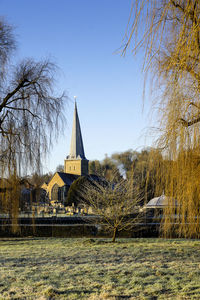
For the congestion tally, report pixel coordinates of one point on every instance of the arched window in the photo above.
(54, 192)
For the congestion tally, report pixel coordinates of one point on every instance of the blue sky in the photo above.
(82, 37)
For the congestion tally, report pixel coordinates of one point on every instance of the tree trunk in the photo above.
(114, 234)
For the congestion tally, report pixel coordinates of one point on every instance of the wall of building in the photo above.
(84, 167)
(76, 167)
(55, 180)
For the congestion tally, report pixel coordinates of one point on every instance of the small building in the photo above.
(156, 206)
(160, 202)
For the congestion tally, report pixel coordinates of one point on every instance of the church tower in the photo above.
(76, 162)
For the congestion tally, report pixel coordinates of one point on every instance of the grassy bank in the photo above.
(97, 269)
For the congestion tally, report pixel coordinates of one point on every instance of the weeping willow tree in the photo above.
(30, 116)
(169, 33)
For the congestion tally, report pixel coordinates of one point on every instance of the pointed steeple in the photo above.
(76, 163)
(76, 148)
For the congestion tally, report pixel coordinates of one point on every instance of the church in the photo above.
(75, 165)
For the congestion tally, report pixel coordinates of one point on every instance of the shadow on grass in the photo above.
(96, 241)
(51, 293)
(121, 297)
(19, 239)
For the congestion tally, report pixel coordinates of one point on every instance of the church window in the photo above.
(74, 168)
(70, 168)
(55, 193)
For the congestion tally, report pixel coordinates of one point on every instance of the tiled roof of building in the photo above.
(67, 178)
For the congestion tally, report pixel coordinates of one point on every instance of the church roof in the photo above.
(76, 148)
(67, 178)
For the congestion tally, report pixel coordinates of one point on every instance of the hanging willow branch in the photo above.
(169, 33)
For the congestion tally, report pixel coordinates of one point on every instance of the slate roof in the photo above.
(70, 178)
(67, 178)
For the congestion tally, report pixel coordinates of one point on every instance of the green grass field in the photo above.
(53, 268)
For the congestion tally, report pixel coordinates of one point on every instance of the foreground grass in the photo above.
(51, 268)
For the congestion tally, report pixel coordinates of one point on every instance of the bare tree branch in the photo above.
(115, 203)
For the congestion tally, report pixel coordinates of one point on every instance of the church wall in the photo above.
(76, 167)
(44, 186)
(55, 180)
(84, 167)
(73, 167)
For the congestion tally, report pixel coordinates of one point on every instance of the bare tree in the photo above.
(169, 33)
(7, 44)
(60, 168)
(114, 203)
(30, 111)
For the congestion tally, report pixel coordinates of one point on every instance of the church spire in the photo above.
(76, 163)
(76, 148)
